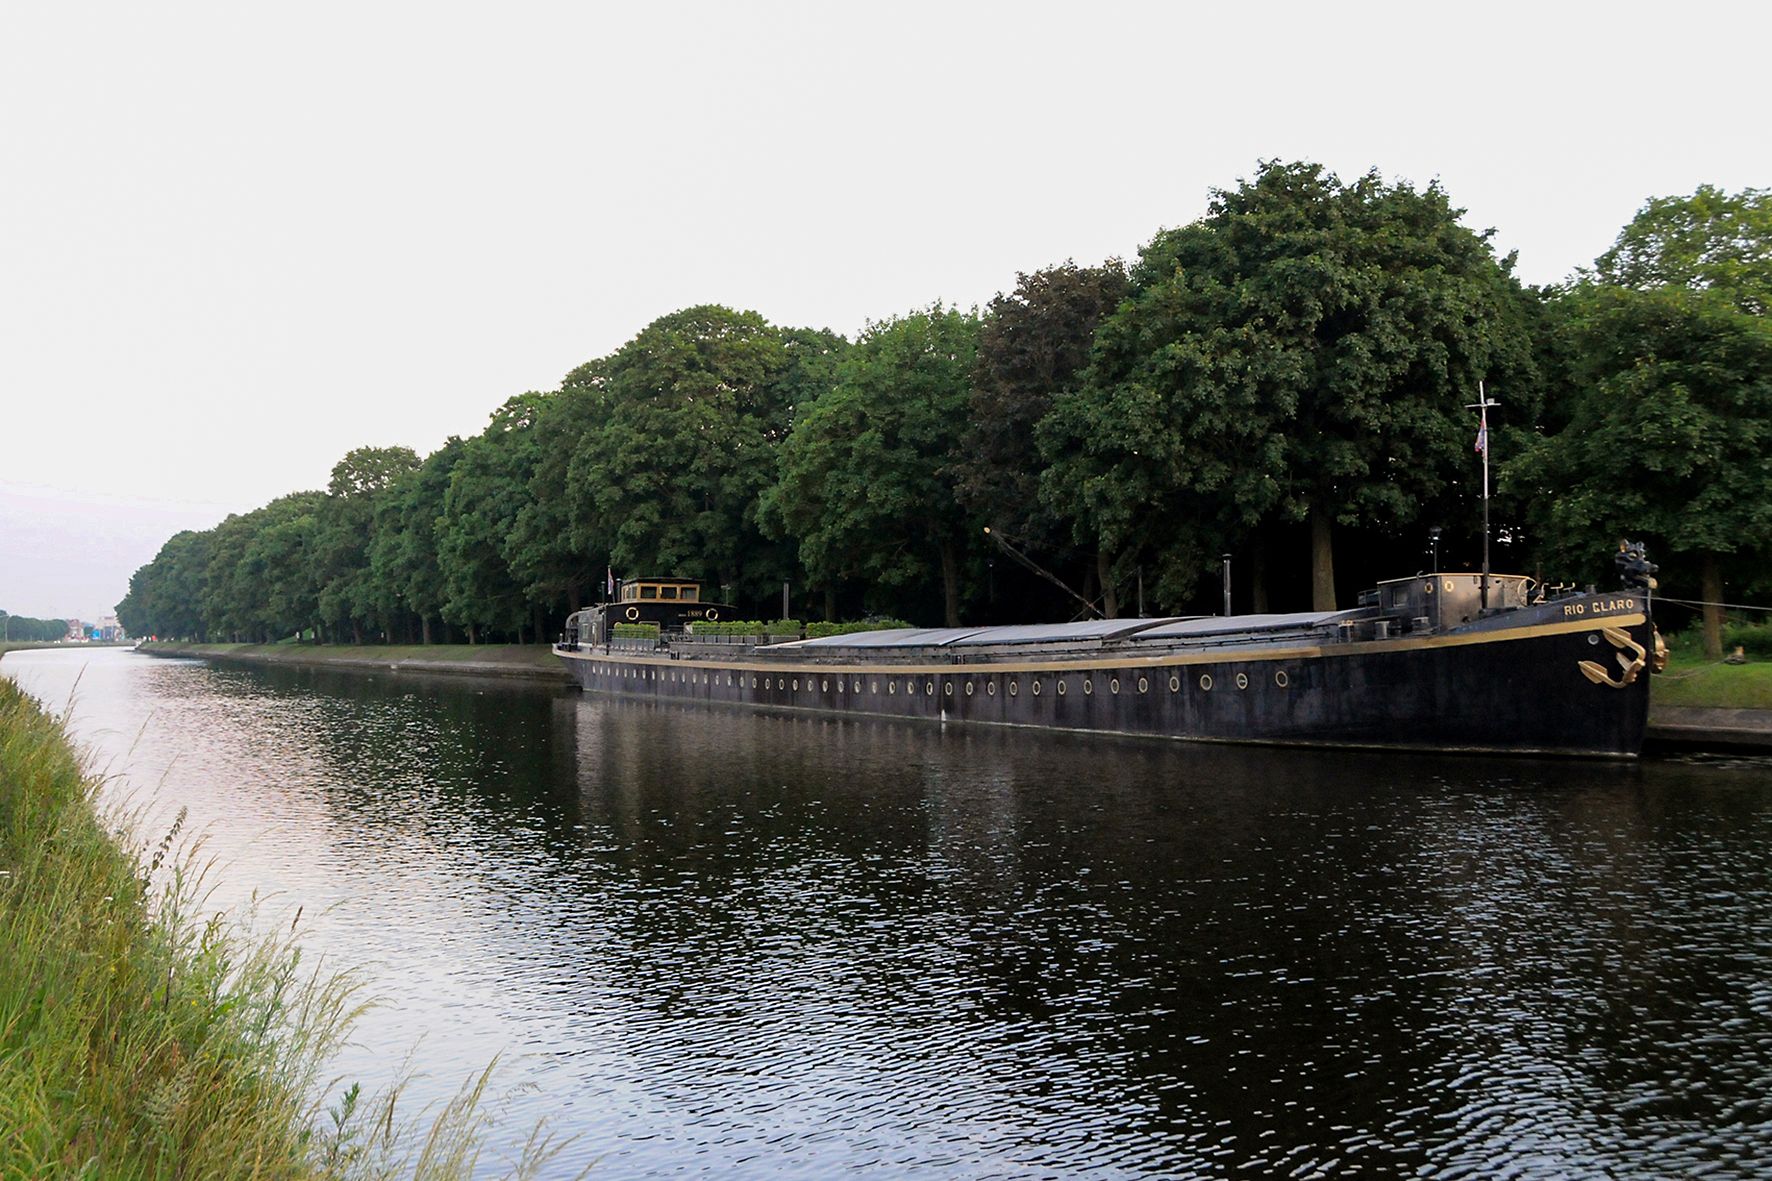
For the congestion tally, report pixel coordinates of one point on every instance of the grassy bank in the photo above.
(1692, 680)
(516, 660)
(1715, 686)
(138, 1040)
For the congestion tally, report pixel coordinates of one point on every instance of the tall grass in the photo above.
(140, 1038)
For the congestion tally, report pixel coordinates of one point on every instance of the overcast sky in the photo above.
(238, 240)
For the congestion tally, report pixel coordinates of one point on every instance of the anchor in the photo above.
(1620, 639)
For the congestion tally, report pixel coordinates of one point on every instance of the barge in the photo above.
(1439, 661)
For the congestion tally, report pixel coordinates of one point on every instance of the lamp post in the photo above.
(1433, 538)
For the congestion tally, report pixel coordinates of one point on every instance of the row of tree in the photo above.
(1286, 380)
(22, 628)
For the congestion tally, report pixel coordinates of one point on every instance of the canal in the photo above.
(755, 945)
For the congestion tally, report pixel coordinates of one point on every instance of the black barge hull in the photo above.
(1520, 689)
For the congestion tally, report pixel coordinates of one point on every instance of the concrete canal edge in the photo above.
(528, 662)
(1694, 728)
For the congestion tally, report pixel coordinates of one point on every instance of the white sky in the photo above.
(238, 240)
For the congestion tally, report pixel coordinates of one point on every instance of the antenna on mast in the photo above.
(1481, 406)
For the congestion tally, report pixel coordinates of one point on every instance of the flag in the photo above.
(1483, 441)
(609, 580)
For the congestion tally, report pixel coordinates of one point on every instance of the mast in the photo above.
(1481, 406)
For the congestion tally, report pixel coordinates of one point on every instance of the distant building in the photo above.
(76, 630)
(109, 630)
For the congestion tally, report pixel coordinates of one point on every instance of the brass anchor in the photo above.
(1596, 672)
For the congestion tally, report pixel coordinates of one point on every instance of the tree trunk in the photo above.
(424, 629)
(1110, 603)
(830, 604)
(1322, 562)
(473, 634)
(356, 633)
(1258, 579)
(1711, 576)
(950, 583)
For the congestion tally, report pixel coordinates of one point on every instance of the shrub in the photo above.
(635, 631)
(727, 627)
(816, 631)
(784, 627)
(1756, 639)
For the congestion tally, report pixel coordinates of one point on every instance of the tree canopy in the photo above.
(1287, 376)
(1302, 354)
(866, 481)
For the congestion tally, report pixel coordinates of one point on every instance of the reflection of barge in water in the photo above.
(1420, 664)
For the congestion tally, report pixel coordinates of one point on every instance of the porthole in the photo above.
(1281, 679)
(858, 686)
(753, 682)
(1206, 681)
(1061, 688)
(929, 689)
(968, 688)
(1174, 684)
(1242, 681)
(1447, 586)
(1014, 688)
(1036, 686)
(824, 686)
(947, 688)
(796, 684)
(1593, 639)
(1113, 684)
(873, 686)
(990, 688)
(1144, 685)
(1428, 586)
(1088, 687)
(892, 687)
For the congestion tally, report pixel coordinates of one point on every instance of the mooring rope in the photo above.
(1703, 603)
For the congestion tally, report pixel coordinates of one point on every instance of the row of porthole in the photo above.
(910, 686)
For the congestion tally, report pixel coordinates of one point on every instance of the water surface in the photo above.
(758, 945)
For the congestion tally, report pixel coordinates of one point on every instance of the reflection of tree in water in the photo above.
(1051, 948)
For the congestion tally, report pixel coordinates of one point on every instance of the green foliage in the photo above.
(1670, 423)
(635, 631)
(1712, 240)
(689, 416)
(23, 628)
(1033, 345)
(784, 627)
(1754, 639)
(1305, 350)
(404, 571)
(258, 583)
(866, 481)
(166, 596)
(488, 488)
(1302, 355)
(815, 631)
(346, 590)
(727, 627)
